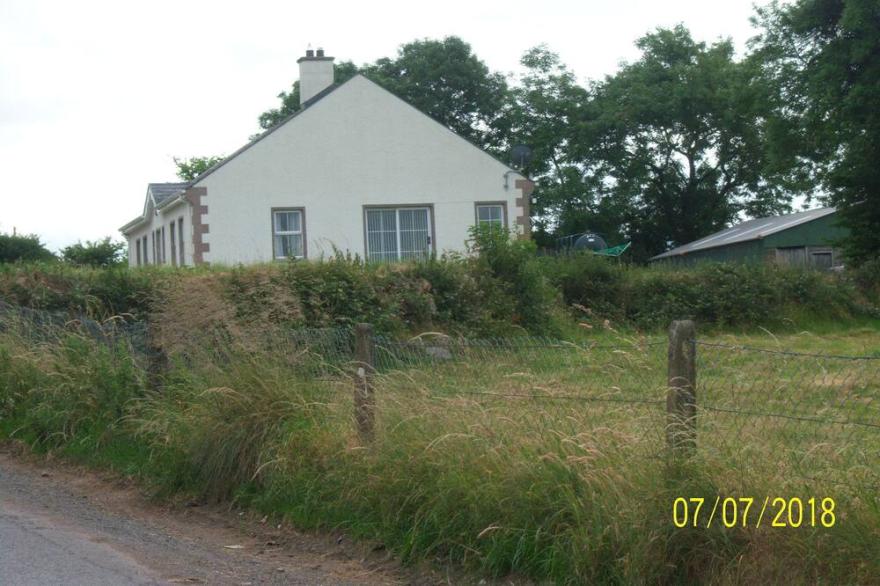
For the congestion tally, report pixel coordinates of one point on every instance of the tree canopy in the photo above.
(190, 168)
(23, 248)
(821, 58)
(681, 134)
(665, 151)
(447, 81)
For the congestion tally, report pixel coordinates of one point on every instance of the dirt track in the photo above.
(61, 525)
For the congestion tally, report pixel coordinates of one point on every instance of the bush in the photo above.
(867, 278)
(722, 295)
(100, 253)
(15, 248)
(512, 264)
(501, 289)
(99, 293)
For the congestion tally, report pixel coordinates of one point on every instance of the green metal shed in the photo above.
(801, 239)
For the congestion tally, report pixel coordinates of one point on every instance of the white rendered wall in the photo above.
(357, 146)
(164, 218)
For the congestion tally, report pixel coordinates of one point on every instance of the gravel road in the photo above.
(59, 527)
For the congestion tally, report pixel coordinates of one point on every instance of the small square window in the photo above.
(288, 234)
(491, 214)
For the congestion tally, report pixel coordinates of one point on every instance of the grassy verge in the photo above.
(529, 458)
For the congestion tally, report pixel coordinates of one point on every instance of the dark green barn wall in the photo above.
(820, 232)
(740, 252)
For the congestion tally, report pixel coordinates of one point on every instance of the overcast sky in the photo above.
(97, 97)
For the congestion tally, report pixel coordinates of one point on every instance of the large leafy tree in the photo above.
(822, 58)
(447, 81)
(551, 112)
(682, 134)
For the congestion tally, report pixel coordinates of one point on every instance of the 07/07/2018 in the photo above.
(740, 512)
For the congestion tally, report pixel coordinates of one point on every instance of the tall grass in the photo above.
(543, 460)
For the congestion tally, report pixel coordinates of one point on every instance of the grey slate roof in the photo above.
(747, 231)
(163, 191)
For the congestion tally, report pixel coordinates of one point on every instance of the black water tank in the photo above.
(590, 241)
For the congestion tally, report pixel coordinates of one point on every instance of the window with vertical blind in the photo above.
(288, 233)
(398, 233)
(491, 214)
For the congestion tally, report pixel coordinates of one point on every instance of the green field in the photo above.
(513, 457)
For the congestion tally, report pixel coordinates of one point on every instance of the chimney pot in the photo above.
(320, 52)
(310, 53)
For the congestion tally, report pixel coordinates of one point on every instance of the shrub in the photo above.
(28, 248)
(711, 293)
(100, 293)
(512, 263)
(867, 278)
(100, 253)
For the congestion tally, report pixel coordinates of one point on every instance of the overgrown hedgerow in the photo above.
(502, 288)
(713, 294)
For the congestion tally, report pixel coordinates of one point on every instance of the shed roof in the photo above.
(749, 230)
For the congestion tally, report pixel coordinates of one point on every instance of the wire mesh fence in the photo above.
(537, 384)
(761, 414)
(794, 416)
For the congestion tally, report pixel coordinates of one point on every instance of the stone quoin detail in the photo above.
(526, 187)
(194, 196)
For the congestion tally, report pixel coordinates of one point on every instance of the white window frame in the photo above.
(429, 208)
(301, 232)
(490, 204)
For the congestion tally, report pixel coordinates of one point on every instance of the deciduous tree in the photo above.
(822, 59)
(682, 133)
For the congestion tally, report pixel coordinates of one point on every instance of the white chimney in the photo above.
(315, 74)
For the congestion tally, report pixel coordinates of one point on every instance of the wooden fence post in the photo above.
(681, 397)
(364, 400)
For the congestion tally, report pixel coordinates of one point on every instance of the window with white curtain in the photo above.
(491, 214)
(288, 234)
(394, 234)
